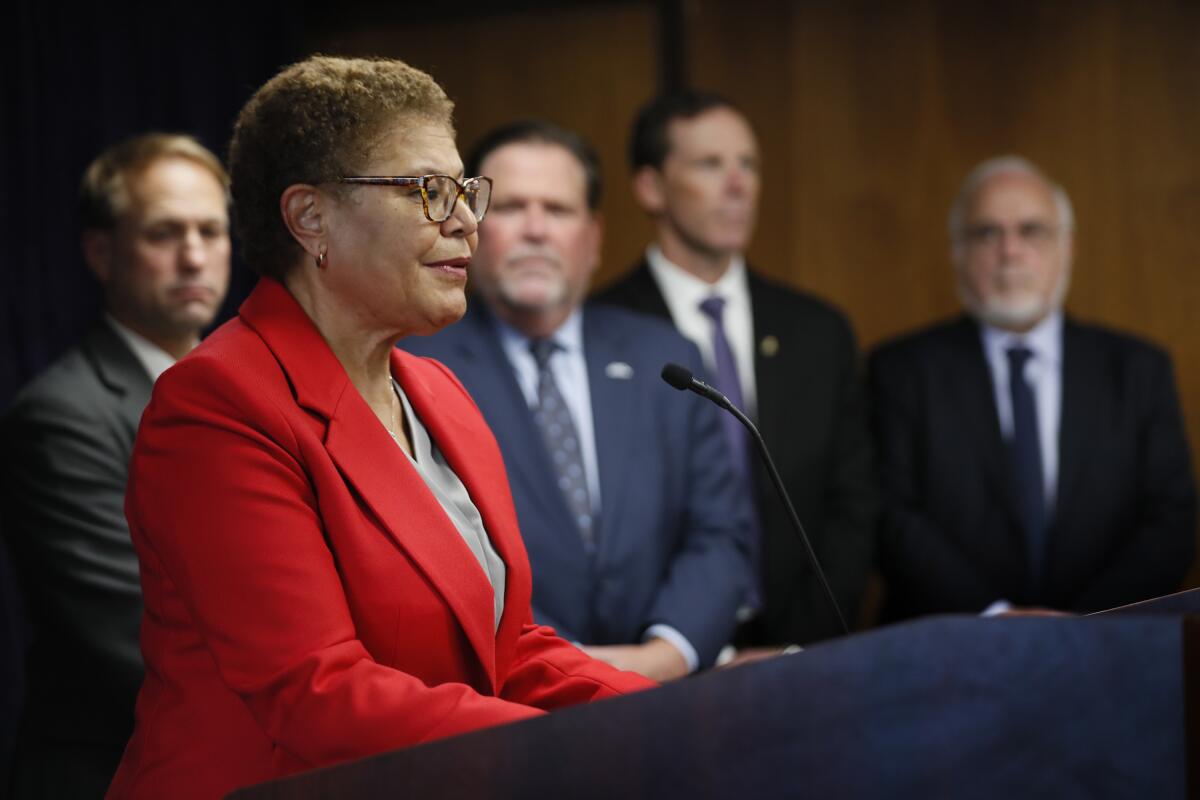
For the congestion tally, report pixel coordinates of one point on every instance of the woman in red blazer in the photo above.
(308, 599)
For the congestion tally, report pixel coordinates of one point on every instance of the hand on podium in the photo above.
(1033, 611)
(657, 659)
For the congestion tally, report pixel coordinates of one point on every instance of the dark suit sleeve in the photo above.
(707, 578)
(918, 558)
(1159, 550)
(65, 481)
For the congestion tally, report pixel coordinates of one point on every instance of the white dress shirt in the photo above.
(684, 292)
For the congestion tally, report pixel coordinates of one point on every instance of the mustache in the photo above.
(526, 252)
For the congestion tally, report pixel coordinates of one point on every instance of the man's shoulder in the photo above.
(773, 298)
(69, 384)
(928, 342)
(635, 289)
(1117, 343)
(640, 331)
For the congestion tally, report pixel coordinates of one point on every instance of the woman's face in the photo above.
(387, 263)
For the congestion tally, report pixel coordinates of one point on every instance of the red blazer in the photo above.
(307, 600)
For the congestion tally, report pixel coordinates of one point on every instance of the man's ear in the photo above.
(98, 253)
(302, 207)
(648, 189)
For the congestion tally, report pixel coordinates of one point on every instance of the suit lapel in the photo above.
(383, 477)
(973, 400)
(121, 372)
(613, 406)
(774, 375)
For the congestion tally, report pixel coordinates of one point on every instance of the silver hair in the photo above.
(995, 166)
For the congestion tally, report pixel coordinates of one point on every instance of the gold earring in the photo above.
(320, 259)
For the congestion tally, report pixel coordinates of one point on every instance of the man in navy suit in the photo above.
(633, 516)
(1026, 458)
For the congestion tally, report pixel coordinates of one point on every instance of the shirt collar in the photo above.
(569, 336)
(681, 286)
(153, 358)
(1044, 339)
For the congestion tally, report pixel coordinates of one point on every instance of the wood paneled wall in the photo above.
(869, 114)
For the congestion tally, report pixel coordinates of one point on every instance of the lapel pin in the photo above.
(619, 370)
(769, 346)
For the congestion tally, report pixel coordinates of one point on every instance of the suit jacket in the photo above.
(307, 598)
(1124, 516)
(67, 440)
(813, 420)
(671, 530)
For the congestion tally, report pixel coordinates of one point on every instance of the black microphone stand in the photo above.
(680, 378)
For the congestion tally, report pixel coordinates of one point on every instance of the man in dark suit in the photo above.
(632, 517)
(1026, 458)
(155, 220)
(788, 357)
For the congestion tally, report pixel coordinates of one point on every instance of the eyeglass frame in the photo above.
(1033, 233)
(420, 180)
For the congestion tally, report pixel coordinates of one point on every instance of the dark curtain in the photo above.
(73, 83)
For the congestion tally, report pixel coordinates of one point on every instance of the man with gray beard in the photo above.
(1026, 459)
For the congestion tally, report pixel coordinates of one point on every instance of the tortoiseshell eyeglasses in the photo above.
(439, 193)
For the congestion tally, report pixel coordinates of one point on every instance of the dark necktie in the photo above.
(562, 441)
(1027, 462)
(739, 440)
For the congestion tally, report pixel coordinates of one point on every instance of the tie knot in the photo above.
(1018, 356)
(542, 349)
(713, 306)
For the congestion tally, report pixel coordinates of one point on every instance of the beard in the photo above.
(532, 279)
(1015, 308)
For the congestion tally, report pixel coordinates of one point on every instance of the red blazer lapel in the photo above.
(384, 479)
(460, 432)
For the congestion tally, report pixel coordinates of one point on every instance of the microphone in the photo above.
(682, 379)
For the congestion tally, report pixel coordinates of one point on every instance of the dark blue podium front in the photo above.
(956, 707)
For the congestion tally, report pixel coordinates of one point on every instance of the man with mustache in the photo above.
(1026, 458)
(632, 517)
(154, 212)
(786, 357)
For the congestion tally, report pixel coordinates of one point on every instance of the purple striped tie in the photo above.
(729, 385)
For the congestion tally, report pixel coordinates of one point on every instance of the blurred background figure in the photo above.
(1026, 458)
(786, 358)
(154, 211)
(633, 517)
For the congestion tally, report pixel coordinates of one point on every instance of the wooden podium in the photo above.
(1090, 707)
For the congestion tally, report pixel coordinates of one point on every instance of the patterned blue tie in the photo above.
(1026, 453)
(562, 441)
(739, 439)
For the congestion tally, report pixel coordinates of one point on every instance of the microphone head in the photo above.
(677, 376)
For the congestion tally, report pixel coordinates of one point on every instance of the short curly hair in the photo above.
(315, 121)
